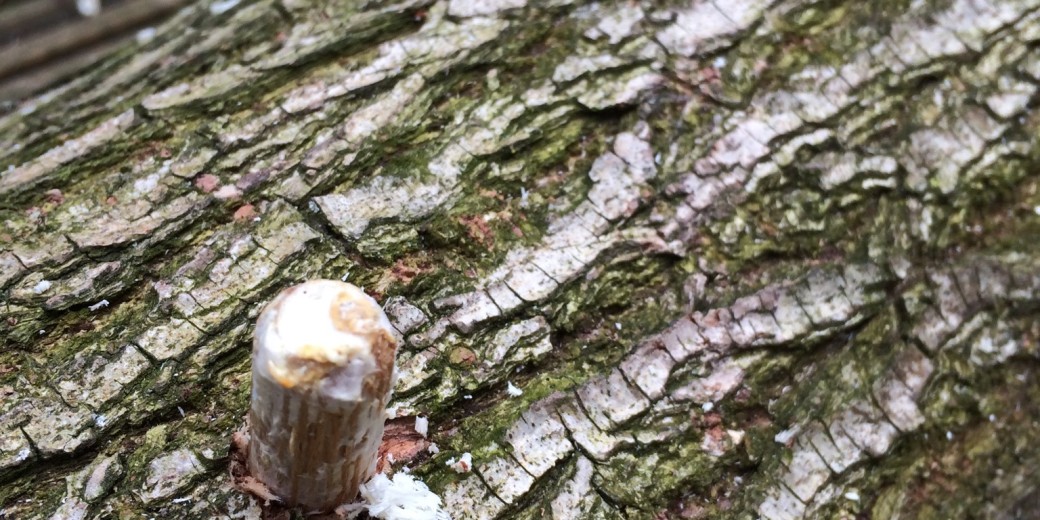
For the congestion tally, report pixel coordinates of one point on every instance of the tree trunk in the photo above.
(743, 259)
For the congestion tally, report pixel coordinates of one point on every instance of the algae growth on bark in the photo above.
(647, 259)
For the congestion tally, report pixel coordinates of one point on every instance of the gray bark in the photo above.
(743, 259)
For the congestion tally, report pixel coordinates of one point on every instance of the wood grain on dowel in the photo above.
(323, 362)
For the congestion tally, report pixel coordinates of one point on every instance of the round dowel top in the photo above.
(328, 337)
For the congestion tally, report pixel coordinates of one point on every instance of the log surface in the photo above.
(740, 259)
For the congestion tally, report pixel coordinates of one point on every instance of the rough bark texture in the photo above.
(743, 259)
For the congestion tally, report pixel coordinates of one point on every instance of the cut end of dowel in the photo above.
(328, 337)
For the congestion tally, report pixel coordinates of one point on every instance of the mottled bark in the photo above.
(742, 259)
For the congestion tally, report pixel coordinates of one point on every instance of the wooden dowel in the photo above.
(323, 363)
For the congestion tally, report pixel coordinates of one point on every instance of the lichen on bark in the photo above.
(647, 259)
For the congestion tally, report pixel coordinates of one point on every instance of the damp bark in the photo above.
(760, 259)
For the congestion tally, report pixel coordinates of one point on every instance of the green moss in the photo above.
(603, 300)
(644, 480)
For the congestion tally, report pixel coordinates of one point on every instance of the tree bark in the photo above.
(742, 259)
